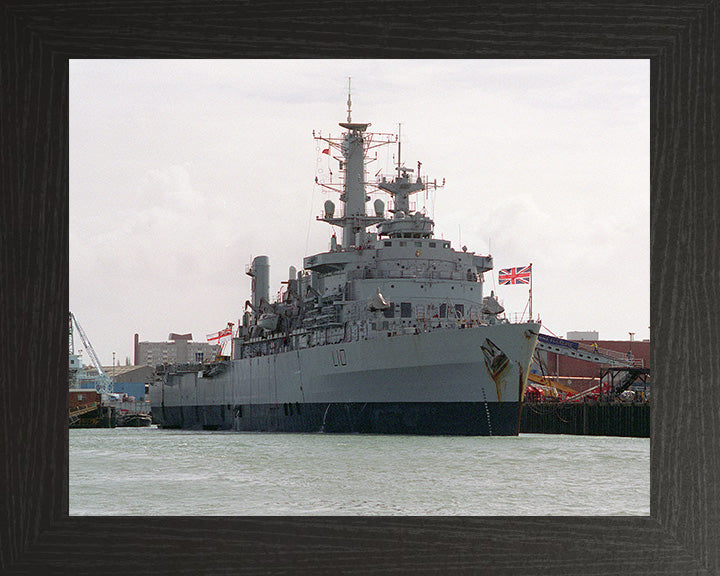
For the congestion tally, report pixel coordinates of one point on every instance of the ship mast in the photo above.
(349, 102)
(353, 146)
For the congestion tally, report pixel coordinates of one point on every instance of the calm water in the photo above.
(149, 471)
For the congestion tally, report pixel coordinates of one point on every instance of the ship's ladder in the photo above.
(421, 318)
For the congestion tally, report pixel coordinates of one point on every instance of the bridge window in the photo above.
(405, 309)
(432, 244)
(388, 243)
(390, 312)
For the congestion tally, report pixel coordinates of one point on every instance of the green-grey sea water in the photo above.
(150, 471)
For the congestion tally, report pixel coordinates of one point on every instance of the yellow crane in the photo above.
(552, 384)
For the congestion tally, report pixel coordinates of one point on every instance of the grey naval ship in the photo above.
(387, 332)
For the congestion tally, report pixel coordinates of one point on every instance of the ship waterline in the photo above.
(425, 418)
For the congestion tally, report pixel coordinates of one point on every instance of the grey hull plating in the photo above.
(428, 383)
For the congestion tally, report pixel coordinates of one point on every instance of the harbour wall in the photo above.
(630, 419)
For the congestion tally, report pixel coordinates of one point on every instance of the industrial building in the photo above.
(130, 380)
(179, 348)
(581, 374)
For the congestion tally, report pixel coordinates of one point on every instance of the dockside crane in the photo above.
(105, 386)
(74, 364)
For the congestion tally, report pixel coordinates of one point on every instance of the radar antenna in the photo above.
(349, 102)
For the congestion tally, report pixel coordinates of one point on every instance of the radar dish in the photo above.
(355, 126)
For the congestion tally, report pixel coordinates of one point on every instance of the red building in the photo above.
(79, 397)
(580, 374)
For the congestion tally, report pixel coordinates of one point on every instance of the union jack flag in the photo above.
(515, 275)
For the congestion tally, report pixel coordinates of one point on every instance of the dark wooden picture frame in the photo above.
(682, 534)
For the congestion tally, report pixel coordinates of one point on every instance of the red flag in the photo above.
(221, 336)
(326, 151)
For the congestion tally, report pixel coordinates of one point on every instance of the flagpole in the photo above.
(531, 316)
(232, 341)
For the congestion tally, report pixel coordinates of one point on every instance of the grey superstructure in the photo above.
(387, 332)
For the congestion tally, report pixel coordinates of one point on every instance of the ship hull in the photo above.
(437, 382)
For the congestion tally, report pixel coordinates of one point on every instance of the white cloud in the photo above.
(182, 171)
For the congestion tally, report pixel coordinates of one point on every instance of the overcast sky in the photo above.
(182, 171)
